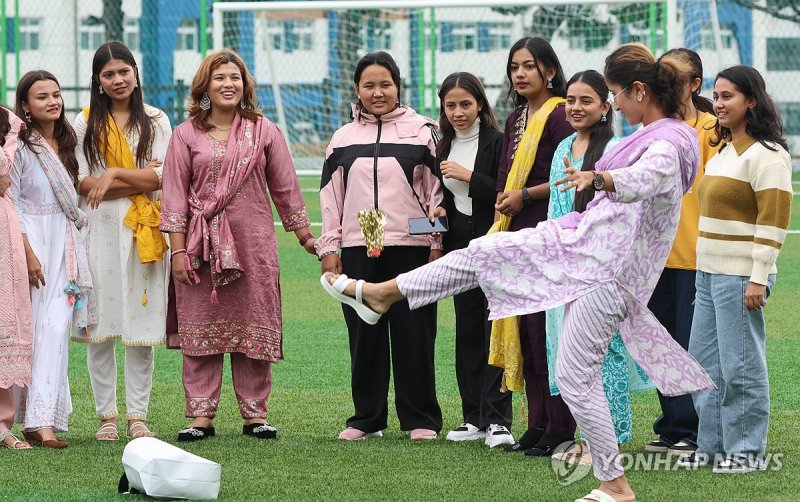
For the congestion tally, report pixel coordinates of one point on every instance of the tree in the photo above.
(111, 18)
(788, 10)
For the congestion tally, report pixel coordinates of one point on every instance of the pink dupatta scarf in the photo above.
(209, 236)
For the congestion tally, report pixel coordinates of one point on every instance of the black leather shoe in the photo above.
(527, 441)
(260, 431)
(546, 445)
(195, 433)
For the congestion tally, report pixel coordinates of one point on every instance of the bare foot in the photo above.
(372, 295)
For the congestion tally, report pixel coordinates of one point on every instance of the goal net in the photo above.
(303, 53)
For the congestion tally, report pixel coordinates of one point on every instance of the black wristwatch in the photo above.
(526, 197)
(599, 183)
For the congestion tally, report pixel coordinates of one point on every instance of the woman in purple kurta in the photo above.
(535, 75)
(603, 263)
(225, 257)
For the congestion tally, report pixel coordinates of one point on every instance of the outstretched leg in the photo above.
(428, 284)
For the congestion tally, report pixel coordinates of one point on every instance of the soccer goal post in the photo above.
(302, 53)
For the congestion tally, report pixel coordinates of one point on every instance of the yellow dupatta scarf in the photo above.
(144, 215)
(505, 350)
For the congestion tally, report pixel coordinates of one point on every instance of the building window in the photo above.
(376, 35)
(708, 41)
(288, 36)
(464, 35)
(92, 35)
(790, 113)
(783, 54)
(187, 35)
(499, 36)
(29, 33)
(131, 34)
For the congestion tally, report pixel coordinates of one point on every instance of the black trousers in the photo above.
(482, 403)
(673, 305)
(406, 336)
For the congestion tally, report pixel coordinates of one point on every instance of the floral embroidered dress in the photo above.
(16, 324)
(42, 219)
(623, 238)
(621, 375)
(247, 317)
(120, 278)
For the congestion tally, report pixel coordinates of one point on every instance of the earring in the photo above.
(135, 85)
(205, 102)
(101, 89)
(549, 83)
(603, 117)
(27, 116)
(242, 105)
(640, 97)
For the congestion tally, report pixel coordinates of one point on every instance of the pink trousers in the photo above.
(202, 381)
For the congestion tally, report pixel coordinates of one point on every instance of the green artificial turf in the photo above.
(311, 401)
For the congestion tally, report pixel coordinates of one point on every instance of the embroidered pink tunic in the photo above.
(247, 318)
(16, 320)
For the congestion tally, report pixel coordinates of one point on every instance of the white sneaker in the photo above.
(497, 435)
(465, 432)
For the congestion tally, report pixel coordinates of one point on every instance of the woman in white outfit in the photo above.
(121, 142)
(43, 182)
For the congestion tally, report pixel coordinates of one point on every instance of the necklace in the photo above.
(218, 127)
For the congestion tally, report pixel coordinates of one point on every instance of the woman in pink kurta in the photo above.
(16, 320)
(220, 167)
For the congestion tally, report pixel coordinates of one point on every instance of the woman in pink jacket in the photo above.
(384, 159)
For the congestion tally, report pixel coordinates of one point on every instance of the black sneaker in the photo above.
(657, 446)
(682, 448)
(195, 433)
(260, 431)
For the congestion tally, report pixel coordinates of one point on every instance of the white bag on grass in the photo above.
(161, 470)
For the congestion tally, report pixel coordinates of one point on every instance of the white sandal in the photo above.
(336, 290)
(597, 496)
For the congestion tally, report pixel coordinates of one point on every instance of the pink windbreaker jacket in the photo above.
(374, 162)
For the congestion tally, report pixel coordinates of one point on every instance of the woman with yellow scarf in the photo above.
(533, 131)
(121, 143)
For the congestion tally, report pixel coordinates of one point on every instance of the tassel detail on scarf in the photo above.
(214, 298)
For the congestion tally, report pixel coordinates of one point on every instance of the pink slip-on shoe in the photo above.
(421, 434)
(352, 434)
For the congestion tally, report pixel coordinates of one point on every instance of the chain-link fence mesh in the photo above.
(305, 56)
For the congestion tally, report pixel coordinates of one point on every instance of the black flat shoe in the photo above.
(527, 441)
(195, 433)
(547, 445)
(260, 431)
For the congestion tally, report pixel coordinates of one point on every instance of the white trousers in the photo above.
(138, 379)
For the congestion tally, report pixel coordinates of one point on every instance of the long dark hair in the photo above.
(701, 103)
(62, 129)
(763, 121)
(380, 58)
(665, 77)
(472, 85)
(542, 53)
(100, 107)
(599, 135)
(5, 124)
